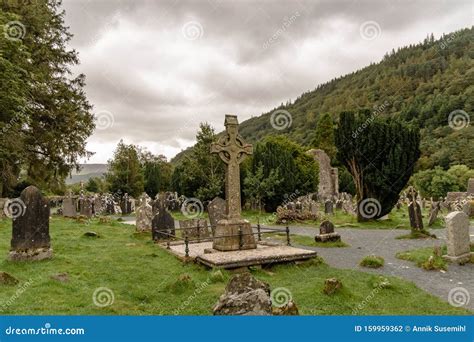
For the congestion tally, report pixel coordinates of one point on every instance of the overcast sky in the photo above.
(155, 69)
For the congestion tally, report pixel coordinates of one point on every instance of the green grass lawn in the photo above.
(420, 257)
(147, 280)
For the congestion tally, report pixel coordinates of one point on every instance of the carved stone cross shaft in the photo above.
(232, 149)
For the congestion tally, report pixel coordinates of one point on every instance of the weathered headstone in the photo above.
(144, 215)
(69, 206)
(126, 205)
(326, 232)
(233, 232)
(414, 210)
(194, 228)
(433, 214)
(30, 229)
(457, 237)
(162, 222)
(99, 205)
(87, 206)
(217, 211)
(328, 207)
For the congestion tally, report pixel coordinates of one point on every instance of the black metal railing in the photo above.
(187, 240)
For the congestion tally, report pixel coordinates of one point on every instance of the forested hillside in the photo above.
(421, 84)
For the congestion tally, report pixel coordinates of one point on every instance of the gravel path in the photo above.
(382, 242)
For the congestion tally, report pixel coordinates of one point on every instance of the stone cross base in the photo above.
(226, 236)
(32, 254)
(459, 259)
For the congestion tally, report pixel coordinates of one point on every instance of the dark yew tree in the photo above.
(297, 172)
(380, 154)
(56, 117)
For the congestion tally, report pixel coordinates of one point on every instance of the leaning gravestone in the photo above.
(414, 210)
(30, 227)
(457, 236)
(162, 223)
(216, 210)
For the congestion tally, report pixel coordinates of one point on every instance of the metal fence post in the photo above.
(186, 247)
(288, 243)
(198, 231)
(258, 232)
(169, 238)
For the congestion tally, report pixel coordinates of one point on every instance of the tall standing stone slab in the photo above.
(328, 207)
(470, 187)
(233, 232)
(217, 211)
(457, 236)
(87, 207)
(328, 176)
(414, 210)
(69, 206)
(30, 228)
(144, 215)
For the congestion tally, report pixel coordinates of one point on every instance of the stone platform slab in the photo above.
(263, 254)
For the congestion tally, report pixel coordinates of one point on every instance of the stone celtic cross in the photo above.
(232, 149)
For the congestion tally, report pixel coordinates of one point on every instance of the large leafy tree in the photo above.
(257, 186)
(201, 174)
(14, 87)
(125, 170)
(297, 171)
(435, 183)
(380, 154)
(57, 115)
(157, 174)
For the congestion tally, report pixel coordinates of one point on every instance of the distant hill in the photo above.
(87, 171)
(420, 84)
